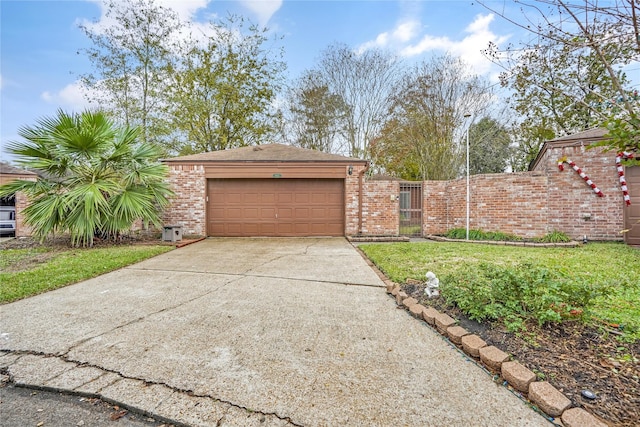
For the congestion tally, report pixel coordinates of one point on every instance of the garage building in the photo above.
(266, 190)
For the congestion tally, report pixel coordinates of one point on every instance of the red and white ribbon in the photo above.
(623, 182)
(581, 173)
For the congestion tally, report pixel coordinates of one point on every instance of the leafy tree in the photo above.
(364, 81)
(96, 178)
(317, 117)
(572, 71)
(223, 89)
(426, 120)
(132, 59)
(489, 147)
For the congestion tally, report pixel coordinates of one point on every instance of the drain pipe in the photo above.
(360, 197)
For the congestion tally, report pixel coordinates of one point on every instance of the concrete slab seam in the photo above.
(132, 408)
(146, 316)
(261, 276)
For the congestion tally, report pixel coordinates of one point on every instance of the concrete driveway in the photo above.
(251, 332)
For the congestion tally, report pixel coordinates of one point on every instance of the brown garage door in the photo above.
(275, 207)
(632, 213)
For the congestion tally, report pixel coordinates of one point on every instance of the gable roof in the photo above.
(586, 137)
(265, 153)
(8, 169)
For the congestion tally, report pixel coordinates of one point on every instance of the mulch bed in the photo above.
(64, 242)
(572, 356)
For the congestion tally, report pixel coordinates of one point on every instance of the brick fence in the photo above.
(528, 204)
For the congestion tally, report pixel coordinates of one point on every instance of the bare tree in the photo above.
(364, 81)
(426, 120)
(316, 117)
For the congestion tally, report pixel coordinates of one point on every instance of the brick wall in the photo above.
(380, 210)
(513, 203)
(188, 206)
(573, 206)
(352, 200)
(22, 229)
(532, 204)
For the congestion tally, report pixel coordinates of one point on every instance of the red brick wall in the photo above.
(571, 199)
(532, 204)
(352, 199)
(188, 206)
(380, 210)
(22, 229)
(512, 203)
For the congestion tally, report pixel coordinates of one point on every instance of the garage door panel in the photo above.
(302, 197)
(302, 213)
(251, 198)
(251, 213)
(267, 198)
(275, 207)
(266, 229)
(285, 197)
(285, 214)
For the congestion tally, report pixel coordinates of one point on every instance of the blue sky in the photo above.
(39, 40)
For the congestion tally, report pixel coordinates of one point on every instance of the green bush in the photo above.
(554, 237)
(461, 233)
(518, 294)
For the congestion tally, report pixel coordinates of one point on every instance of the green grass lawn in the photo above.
(598, 264)
(27, 272)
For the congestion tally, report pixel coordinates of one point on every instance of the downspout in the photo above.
(360, 190)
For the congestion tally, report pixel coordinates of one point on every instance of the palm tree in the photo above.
(96, 178)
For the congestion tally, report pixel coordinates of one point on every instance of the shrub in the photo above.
(554, 237)
(97, 178)
(461, 233)
(518, 294)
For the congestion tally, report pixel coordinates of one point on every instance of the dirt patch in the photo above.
(64, 242)
(571, 356)
(29, 261)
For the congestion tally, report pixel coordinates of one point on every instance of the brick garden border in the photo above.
(571, 244)
(541, 393)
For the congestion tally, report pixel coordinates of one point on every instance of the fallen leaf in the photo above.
(606, 364)
(117, 415)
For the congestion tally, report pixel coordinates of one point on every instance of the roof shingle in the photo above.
(265, 153)
(7, 169)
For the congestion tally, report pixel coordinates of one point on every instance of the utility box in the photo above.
(172, 233)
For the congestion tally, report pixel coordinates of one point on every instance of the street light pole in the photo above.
(466, 116)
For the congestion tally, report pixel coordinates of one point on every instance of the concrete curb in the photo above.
(543, 395)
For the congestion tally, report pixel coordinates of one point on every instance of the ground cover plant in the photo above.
(32, 270)
(568, 314)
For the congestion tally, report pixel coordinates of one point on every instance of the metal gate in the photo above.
(410, 209)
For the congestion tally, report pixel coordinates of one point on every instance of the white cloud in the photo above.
(404, 39)
(72, 96)
(469, 48)
(404, 32)
(185, 9)
(263, 9)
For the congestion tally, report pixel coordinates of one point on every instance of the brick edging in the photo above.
(541, 393)
(571, 244)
